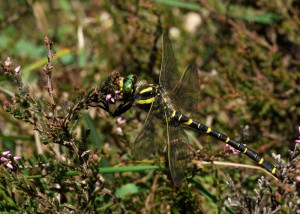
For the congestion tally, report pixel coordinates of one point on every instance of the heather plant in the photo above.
(55, 126)
(60, 151)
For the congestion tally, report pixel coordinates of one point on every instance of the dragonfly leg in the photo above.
(123, 107)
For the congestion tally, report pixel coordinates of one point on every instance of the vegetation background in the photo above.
(248, 53)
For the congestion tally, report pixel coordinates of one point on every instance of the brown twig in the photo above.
(48, 68)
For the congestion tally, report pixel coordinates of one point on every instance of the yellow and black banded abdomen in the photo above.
(182, 119)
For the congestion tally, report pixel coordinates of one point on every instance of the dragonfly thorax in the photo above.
(146, 94)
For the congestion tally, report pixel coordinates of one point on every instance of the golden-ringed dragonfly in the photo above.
(159, 100)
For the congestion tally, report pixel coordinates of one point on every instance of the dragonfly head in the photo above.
(127, 85)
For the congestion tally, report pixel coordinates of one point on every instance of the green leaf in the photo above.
(107, 170)
(252, 15)
(95, 136)
(6, 199)
(46, 102)
(235, 11)
(41, 62)
(127, 189)
(15, 138)
(181, 4)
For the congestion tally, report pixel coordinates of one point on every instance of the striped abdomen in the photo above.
(220, 136)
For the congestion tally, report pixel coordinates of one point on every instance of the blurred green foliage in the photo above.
(248, 53)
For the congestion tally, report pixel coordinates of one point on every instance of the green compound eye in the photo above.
(128, 85)
(132, 77)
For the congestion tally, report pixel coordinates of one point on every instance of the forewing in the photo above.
(169, 74)
(147, 141)
(183, 89)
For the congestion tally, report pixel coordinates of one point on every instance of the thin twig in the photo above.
(221, 163)
(48, 70)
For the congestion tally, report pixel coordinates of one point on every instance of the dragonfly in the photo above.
(165, 103)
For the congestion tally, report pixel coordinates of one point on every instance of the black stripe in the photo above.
(184, 119)
(237, 145)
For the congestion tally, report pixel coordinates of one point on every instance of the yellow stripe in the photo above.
(273, 170)
(121, 84)
(208, 130)
(261, 161)
(147, 101)
(180, 117)
(188, 122)
(146, 90)
(173, 114)
(199, 125)
(227, 140)
(245, 150)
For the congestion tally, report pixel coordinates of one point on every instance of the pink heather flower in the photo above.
(17, 158)
(298, 140)
(110, 98)
(9, 165)
(6, 160)
(17, 69)
(298, 179)
(6, 153)
(231, 150)
(3, 159)
(119, 129)
(121, 121)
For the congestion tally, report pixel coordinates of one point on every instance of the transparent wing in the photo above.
(147, 141)
(178, 152)
(183, 89)
(169, 74)
(185, 95)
